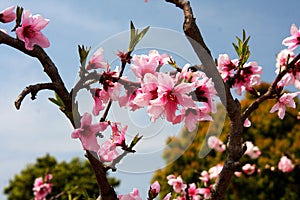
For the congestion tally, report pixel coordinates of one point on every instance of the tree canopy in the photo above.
(74, 179)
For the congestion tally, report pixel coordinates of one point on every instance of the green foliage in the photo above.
(242, 48)
(273, 136)
(71, 180)
(83, 53)
(135, 36)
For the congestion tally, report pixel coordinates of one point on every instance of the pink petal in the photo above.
(40, 22)
(165, 81)
(75, 133)
(281, 112)
(294, 30)
(86, 119)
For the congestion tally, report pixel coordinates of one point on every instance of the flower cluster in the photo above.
(182, 190)
(185, 95)
(88, 132)
(292, 73)
(172, 96)
(241, 78)
(42, 187)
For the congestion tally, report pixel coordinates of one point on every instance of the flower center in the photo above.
(28, 32)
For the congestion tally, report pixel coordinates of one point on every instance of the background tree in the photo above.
(273, 136)
(73, 179)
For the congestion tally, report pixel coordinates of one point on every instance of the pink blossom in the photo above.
(205, 192)
(30, 31)
(101, 97)
(41, 187)
(177, 183)
(248, 169)
(118, 137)
(214, 143)
(7, 15)
(87, 132)
(284, 57)
(108, 81)
(294, 40)
(204, 176)
(252, 151)
(168, 196)
(290, 78)
(286, 100)
(194, 192)
(108, 152)
(191, 117)
(238, 174)
(97, 61)
(285, 164)
(161, 58)
(148, 92)
(215, 171)
(240, 79)
(129, 99)
(249, 76)
(134, 195)
(170, 96)
(154, 190)
(205, 92)
(247, 123)
(226, 66)
(143, 64)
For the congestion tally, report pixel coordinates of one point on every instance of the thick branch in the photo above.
(106, 191)
(33, 90)
(235, 149)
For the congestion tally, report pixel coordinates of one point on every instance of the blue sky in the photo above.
(39, 128)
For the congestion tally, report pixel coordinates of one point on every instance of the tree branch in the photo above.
(106, 191)
(235, 148)
(33, 90)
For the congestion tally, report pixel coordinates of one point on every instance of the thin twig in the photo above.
(33, 90)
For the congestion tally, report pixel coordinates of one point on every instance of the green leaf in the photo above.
(135, 140)
(135, 36)
(58, 101)
(19, 12)
(242, 48)
(54, 101)
(83, 53)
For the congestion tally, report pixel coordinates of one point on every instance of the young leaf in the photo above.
(83, 53)
(135, 140)
(135, 36)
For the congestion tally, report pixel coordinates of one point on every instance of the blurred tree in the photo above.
(71, 180)
(273, 136)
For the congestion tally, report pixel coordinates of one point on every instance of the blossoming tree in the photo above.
(184, 94)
